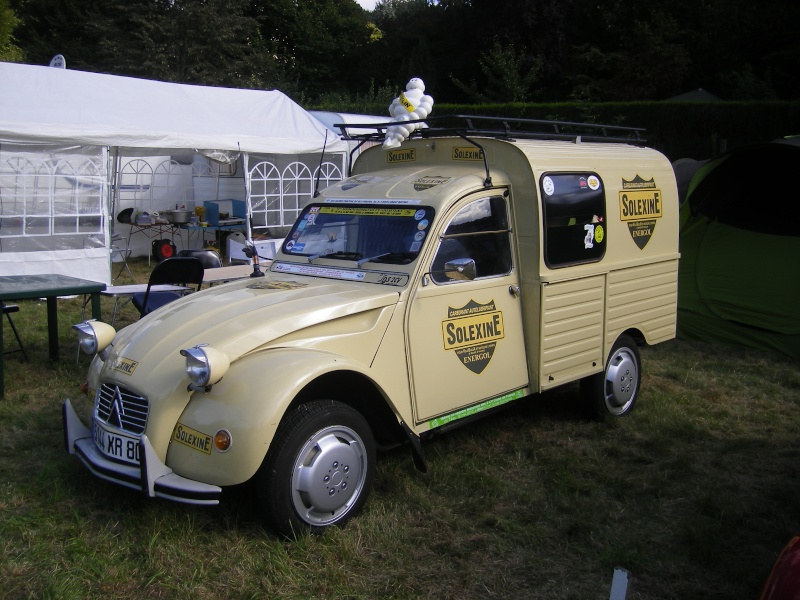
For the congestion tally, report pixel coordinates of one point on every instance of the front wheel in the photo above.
(614, 391)
(318, 471)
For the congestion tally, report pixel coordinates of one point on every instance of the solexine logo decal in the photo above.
(472, 332)
(124, 365)
(640, 204)
(403, 155)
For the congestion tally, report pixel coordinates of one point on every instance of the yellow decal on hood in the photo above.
(276, 285)
(124, 365)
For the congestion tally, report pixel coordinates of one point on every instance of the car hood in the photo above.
(246, 315)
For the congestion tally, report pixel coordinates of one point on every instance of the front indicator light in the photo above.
(94, 336)
(222, 440)
(205, 366)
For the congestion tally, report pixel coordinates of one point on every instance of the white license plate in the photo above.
(115, 445)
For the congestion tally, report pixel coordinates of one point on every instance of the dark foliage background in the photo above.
(597, 60)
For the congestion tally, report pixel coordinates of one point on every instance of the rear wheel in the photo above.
(318, 471)
(614, 391)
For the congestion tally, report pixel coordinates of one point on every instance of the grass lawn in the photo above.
(694, 493)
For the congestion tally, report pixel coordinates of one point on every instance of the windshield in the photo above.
(360, 233)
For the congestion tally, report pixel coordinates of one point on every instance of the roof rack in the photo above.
(506, 128)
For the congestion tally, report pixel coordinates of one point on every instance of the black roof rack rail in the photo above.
(506, 128)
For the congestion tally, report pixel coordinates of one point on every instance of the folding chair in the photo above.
(7, 310)
(120, 247)
(181, 270)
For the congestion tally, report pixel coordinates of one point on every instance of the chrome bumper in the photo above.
(151, 476)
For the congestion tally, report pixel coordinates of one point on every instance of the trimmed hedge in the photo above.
(696, 130)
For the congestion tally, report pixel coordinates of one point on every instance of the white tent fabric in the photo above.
(43, 109)
(63, 106)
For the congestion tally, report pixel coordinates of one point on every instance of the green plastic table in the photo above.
(49, 286)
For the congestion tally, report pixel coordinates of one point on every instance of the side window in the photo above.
(574, 207)
(478, 231)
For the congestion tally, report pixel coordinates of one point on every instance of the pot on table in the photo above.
(178, 217)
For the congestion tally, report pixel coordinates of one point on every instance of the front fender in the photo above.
(249, 402)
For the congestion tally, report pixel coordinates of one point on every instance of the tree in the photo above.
(509, 75)
(9, 51)
(319, 44)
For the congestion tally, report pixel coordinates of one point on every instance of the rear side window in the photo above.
(574, 206)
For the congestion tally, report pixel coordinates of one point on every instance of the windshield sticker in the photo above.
(124, 365)
(196, 440)
(277, 285)
(392, 201)
(472, 332)
(473, 410)
(639, 206)
(426, 183)
(403, 155)
(468, 153)
(319, 271)
(423, 225)
(380, 277)
(368, 211)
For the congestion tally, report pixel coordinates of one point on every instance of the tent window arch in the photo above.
(170, 184)
(133, 184)
(265, 196)
(297, 189)
(328, 174)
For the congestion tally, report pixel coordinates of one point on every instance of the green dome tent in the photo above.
(739, 278)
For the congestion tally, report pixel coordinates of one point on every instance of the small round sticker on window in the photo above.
(420, 214)
(599, 234)
(548, 186)
(422, 225)
(594, 182)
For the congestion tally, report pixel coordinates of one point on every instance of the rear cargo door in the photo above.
(465, 339)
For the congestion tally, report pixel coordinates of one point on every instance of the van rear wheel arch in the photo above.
(613, 392)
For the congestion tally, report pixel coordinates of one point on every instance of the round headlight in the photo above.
(205, 365)
(94, 336)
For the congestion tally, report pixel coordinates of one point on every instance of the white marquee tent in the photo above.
(76, 147)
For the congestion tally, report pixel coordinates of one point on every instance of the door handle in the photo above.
(514, 291)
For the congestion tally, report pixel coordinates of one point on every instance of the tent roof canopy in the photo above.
(43, 104)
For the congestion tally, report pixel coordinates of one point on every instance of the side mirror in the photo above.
(460, 268)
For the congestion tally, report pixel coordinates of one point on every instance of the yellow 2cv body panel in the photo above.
(490, 270)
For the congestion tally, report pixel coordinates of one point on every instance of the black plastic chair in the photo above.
(210, 258)
(7, 310)
(181, 270)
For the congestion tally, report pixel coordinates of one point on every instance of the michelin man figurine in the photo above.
(411, 105)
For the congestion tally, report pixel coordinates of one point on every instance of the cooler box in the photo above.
(266, 248)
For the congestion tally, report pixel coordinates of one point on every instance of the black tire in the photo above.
(318, 471)
(613, 392)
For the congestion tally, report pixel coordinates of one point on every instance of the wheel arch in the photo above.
(359, 392)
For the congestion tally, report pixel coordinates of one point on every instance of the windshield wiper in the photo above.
(371, 258)
(336, 253)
